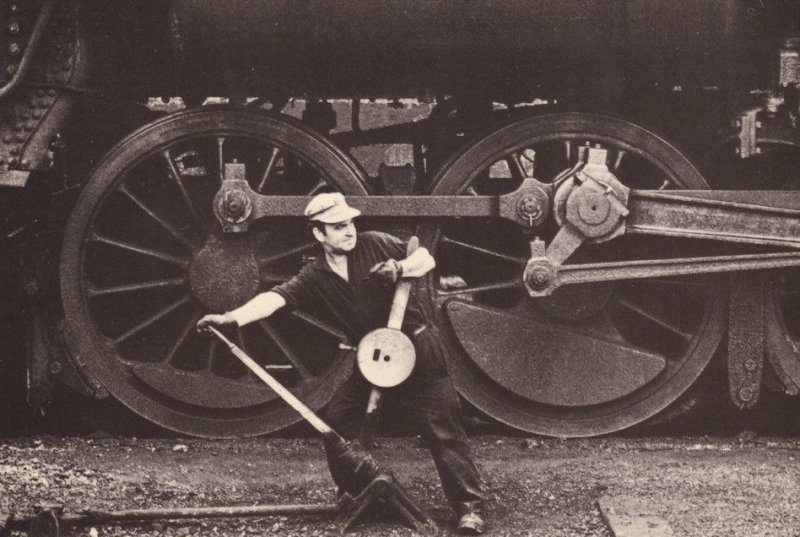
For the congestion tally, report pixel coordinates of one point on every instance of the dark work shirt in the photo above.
(359, 305)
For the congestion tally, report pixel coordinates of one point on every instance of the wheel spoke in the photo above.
(163, 223)
(478, 249)
(187, 329)
(322, 325)
(621, 153)
(152, 319)
(510, 284)
(523, 163)
(212, 349)
(270, 164)
(221, 158)
(284, 348)
(163, 256)
(318, 187)
(241, 340)
(568, 150)
(132, 287)
(655, 319)
(286, 253)
(176, 176)
(515, 166)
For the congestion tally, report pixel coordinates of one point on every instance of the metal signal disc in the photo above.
(386, 357)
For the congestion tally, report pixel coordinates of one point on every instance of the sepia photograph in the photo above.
(399, 267)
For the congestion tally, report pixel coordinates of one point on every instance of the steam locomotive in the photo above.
(584, 172)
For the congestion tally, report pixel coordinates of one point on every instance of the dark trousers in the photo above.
(427, 402)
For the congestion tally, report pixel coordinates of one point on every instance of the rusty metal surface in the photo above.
(19, 72)
(236, 205)
(746, 336)
(37, 109)
(659, 268)
(224, 273)
(548, 363)
(747, 217)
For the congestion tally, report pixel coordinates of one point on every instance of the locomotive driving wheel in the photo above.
(589, 359)
(143, 259)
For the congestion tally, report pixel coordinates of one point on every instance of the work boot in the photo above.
(471, 523)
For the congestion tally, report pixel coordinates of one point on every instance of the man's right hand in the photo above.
(225, 319)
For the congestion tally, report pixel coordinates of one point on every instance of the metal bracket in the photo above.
(746, 336)
(77, 375)
(748, 140)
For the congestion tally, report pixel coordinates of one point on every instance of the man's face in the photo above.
(338, 238)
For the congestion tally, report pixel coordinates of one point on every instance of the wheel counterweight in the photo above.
(144, 258)
(589, 359)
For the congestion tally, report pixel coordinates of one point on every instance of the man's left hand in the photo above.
(387, 271)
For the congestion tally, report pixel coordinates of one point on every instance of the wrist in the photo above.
(229, 318)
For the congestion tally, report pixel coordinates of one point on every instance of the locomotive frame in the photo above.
(122, 226)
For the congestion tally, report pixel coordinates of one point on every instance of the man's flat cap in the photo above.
(330, 208)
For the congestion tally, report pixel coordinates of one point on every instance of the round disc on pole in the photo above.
(386, 357)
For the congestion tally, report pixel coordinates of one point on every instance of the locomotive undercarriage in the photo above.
(618, 342)
(586, 275)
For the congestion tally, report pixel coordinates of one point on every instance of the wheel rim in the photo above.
(783, 298)
(783, 336)
(143, 259)
(616, 354)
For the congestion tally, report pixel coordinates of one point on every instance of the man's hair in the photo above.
(315, 224)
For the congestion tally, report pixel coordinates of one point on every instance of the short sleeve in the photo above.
(297, 291)
(388, 245)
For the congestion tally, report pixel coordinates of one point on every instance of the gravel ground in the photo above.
(742, 486)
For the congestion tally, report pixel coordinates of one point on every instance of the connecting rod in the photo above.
(589, 209)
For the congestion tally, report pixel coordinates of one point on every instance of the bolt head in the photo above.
(539, 278)
(31, 286)
(235, 206)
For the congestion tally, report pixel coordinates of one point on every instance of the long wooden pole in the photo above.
(277, 387)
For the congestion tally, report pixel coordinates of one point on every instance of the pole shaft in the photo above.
(276, 386)
(204, 512)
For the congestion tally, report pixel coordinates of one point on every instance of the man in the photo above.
(351, 284)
